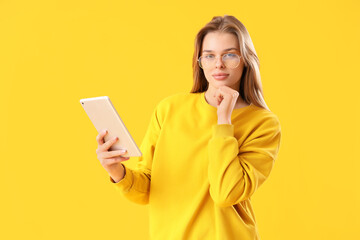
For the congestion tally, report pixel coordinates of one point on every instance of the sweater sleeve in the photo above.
(135, 185)
(235, 173)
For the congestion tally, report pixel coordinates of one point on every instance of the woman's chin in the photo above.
(221, 83)
(217, 84)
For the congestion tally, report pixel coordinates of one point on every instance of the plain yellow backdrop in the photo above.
(53, 53)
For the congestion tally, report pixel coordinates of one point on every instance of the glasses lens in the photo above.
(206, 61)
(230, 60)
(200, 63)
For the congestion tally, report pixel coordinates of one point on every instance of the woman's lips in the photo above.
(220, 77)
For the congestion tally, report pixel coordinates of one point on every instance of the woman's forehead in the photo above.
(219, 42)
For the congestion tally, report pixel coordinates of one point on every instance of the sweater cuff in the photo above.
(223, 130)
(125, 183)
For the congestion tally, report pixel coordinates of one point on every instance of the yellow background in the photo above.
(53, 53)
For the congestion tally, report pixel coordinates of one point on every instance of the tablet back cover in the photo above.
(103, 115)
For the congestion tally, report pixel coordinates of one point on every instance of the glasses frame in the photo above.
(221, 60)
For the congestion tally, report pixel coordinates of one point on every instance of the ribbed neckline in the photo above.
(214, 109)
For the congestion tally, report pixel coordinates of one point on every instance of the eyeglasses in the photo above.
(230, 60)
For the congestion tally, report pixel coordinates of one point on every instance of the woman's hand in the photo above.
(226, 99)
(110, 160)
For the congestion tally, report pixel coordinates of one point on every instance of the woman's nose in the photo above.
(219, 63)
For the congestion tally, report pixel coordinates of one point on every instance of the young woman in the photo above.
(205, 152)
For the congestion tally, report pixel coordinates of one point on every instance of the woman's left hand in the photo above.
(226, 99)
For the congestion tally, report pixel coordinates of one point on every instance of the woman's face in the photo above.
(217, 44)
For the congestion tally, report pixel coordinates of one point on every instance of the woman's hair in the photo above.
(250, 81)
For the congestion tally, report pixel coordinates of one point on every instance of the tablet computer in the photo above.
(104, 116)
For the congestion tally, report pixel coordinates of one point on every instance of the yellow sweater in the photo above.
(198, 176)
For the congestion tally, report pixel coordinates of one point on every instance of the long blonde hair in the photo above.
(250, 83)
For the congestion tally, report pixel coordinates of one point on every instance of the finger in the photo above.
(116, 160)
(218, 95)
(221, 96)
(116, 153)
(236, 94)
(235, 97)
(108, 144)
(100, 137)
(228, 90)
(228, 93)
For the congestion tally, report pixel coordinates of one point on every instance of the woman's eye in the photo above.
(230, 55)
(209, 56)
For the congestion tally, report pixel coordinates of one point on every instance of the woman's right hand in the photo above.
(110, 160)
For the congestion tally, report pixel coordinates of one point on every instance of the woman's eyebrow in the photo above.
(225, 50)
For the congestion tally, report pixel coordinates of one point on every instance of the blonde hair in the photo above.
(250, 82)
